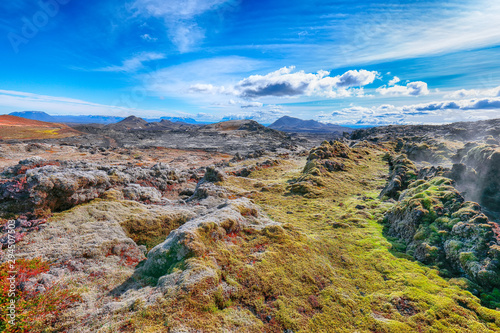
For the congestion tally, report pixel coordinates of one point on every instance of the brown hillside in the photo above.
(12, 127)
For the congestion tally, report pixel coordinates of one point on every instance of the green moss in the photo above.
(153, 230)
(172, 260)
(310, 276)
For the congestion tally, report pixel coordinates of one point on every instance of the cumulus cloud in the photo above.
(191, 77)
(180, 18)
(285, 82)
(472, 104)
(394, 81)
(417, 88)
(467, 109)
(354, 78)
(133, 64)
(377, 115)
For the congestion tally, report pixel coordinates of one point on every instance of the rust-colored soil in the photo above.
(12, 127)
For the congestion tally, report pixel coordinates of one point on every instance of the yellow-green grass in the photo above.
(329, 269)
(32, 132)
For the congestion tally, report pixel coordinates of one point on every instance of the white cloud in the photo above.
(205, 84)
(417, 88)
(394, 81)
(148, 38)
(133, 64)
(210, 89)
(264, 114)
(252, 105)
(437, 112)
(203, 88)
(464, 93)
(354, 78)
(180, 9)
(180, 18)
(467, 104)
(287, 83)
(189, 79)
(186, 36)
(404, 32)
(20, 101)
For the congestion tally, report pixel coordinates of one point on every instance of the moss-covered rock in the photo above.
(402, 172)
(324, 160)
(187, 240)
(478, 174)
(329, 150)
(440, 228)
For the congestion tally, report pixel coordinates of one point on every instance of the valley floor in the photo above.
(331, 269)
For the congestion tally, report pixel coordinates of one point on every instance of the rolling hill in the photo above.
(12, 127)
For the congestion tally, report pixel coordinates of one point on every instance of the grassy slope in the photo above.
(31, 132)
(329, 269)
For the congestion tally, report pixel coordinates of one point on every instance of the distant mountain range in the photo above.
(285, 124)
(290, 124)
(42, 116)
(136, 123)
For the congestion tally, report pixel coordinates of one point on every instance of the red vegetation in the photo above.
(36, 308)
(128, 256)
(18, 185)
(22, 170)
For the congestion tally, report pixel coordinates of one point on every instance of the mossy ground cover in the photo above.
(31, 132)
(329, 269)
(151, 232)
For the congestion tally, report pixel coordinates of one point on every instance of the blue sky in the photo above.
(364, 62)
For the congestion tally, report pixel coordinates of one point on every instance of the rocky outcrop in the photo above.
(478, 175)
(430, 172)
(91, 248)
(440, 228)
(324, 160)
(247, 170)
(22, 226)
(38, 185)
(231, 216)
(329, 157)
(137, 192)
(428, 150)
(402, 172)
(241, 157)
(327, 150)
